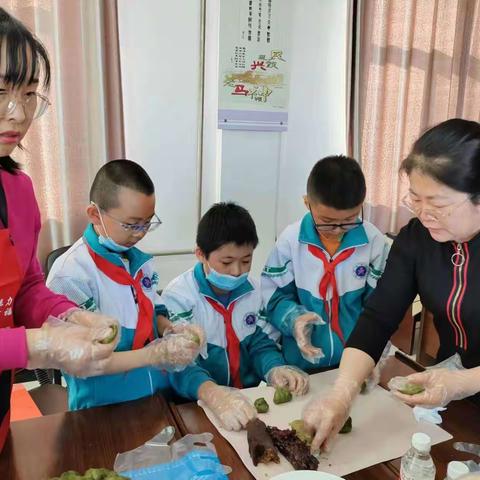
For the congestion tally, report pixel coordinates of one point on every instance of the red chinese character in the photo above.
(257, 63)
(240, 90)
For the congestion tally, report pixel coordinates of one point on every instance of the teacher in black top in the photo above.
(437, 256)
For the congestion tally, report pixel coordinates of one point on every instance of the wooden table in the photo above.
(45, 447)
(462, 420)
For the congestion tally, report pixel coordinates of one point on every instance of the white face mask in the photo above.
(225, 282)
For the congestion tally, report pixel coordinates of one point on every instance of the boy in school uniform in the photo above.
(323, 267)
(103, 271)
(219, 295)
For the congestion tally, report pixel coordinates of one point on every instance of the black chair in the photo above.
(52, 256)
(51, 376)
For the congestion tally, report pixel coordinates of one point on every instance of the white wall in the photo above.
(267, 171)
(264, 171)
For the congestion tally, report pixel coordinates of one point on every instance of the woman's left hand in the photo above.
(441, 386)
(296, 380)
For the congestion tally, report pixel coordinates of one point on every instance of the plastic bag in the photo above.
(451, 363)
(186, 458)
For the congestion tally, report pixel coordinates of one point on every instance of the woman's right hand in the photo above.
(73, 348)
(326, 414)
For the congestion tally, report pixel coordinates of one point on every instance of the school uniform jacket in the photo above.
(298, 278)
(75, 275)
(189, 297)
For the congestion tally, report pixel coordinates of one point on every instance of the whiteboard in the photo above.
(160, 65)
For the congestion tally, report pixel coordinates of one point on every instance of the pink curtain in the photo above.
(84, 126)
(419, 65)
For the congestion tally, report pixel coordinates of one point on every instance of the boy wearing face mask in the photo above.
(323, 267)
(104, 272)
(219, 295)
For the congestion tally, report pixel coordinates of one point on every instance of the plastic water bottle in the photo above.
(417, 464)
(456, 470)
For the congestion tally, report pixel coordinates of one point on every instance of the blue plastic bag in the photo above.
(195, 465)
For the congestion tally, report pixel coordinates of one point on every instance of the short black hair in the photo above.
(450, 154)
(19, 43)
(115, 174)
(226, 222)
(338, 182)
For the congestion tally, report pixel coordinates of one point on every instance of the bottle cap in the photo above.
(456, 470)
(421, 442)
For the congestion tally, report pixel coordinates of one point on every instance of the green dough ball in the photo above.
(300, 431)
(261, 405)
(347, 427)
(282, 395)
(411, 389)
(111, 337)
(71, 475)
(196, 338)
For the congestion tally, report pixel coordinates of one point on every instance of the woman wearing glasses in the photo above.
(323, 267)
(25, 302)
(437, 256)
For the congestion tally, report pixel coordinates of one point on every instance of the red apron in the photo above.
(11, 277)
(233, 344)
(144, 331)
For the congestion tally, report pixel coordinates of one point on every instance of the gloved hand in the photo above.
(196, 332)
(326, 414)
(173, 352)
(441, 386)
(293, 378)
(92, 320)
(76, 349)
(233, 409)
(302, 332)
(374, 378)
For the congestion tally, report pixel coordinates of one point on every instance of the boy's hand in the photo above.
(293, 378)
(196, 332)
(302, 332)
(233, 409)
(174, 352)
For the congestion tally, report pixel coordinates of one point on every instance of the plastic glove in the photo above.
(233, 409)
(374, 379)
(173, 352)
(195, 331)
(91, 320)
(325, 415)
(296, 380)
(441, 386)
(74, 348)
(302, 332)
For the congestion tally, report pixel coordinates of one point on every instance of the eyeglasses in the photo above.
(328, 227)
(433, 213)
(33, 103)
(137, 227)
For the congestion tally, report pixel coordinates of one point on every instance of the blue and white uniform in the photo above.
(300, 276)
(241, 345)
(76, 275)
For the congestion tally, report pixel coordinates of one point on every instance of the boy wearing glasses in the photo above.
(323, 267)
(104, 272)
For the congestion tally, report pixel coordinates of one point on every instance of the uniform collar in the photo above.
(136, 258)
